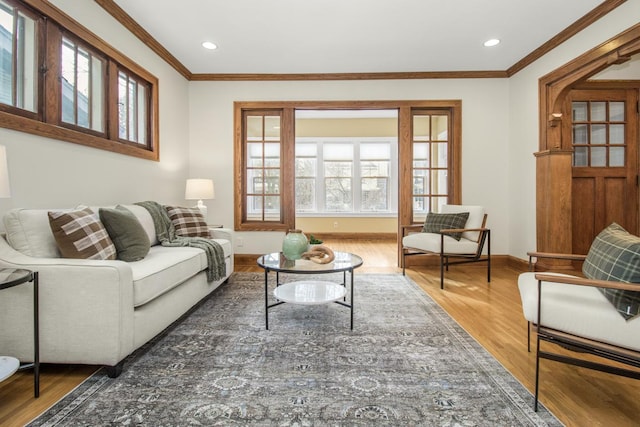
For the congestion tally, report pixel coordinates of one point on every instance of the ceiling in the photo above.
(352, 36)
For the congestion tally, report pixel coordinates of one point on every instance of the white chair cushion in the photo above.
(476, 216)
(430, 242)
(577, 310)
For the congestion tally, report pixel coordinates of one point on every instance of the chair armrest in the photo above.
(572, 280)
(461, 230)
(221, 233)
(410, 227)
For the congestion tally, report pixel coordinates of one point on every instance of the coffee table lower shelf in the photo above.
(310, 292)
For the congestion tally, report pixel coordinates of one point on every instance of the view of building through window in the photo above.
(18, 58)
(349, 168)
(345, 175)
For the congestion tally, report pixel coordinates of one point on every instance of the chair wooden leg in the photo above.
(441, 273)
(528, 337)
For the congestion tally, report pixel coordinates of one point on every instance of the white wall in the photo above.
(500, 135)
(523, 121)
(484, 138)
(50, 173)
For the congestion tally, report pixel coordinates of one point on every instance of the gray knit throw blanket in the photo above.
(166, 233)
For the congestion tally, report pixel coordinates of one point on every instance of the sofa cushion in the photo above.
(28, 232)
(441, 221)
(126, 232)
(615, 255)
(188, 222)
(80, 234)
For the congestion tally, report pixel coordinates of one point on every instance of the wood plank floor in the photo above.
(490, 313)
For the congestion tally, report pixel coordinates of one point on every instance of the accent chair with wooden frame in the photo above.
(468, 247)
(573, 313)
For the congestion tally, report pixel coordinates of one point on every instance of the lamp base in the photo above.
(203, 208)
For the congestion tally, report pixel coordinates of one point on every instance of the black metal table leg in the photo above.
(36, 336)
(351, 273)
(266, 298)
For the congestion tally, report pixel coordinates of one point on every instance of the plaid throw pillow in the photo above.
(80, 234)
(188, 222)
(436, 222)
(615, 255)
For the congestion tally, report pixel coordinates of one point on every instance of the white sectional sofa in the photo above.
(96, 312)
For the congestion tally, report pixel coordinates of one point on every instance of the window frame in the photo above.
(139, 82)
(48, 121)
(433, 198)
(39, 39)
(80, 43)
(405, 172)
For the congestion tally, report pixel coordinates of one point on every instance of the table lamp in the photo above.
(200, 189)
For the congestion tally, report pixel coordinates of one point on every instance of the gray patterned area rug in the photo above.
(406, 363)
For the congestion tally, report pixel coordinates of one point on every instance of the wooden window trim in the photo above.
(40, 30)
(47, 123)
(131, 76)
(105, 106)
(288, 139)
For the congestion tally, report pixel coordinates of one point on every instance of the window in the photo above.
(345, 175)
(431, 150)
(306, 177)
(132, 108)
(598, 130)
(338, 177)
(375, 177)
(94, 95)
(263, 146)
(82, 86)
(18, 58)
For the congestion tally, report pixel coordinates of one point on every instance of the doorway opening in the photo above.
(346, 171)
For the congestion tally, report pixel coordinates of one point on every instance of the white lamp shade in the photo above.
(5, 188)
(199, 189)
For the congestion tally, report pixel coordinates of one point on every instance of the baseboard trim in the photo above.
(351, 236)
(496, 261)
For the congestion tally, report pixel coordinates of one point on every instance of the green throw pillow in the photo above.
(442, 221)
(615, 255)
(126, 232)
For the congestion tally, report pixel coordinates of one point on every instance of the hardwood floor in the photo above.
(490, 313)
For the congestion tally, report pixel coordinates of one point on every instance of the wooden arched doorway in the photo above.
(554, 214)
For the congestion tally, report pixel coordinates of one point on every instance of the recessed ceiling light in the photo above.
(209, 45)
(491, 42)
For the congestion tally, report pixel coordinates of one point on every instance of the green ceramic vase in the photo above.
(295, 244)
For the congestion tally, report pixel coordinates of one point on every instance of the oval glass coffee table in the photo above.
(309, 292)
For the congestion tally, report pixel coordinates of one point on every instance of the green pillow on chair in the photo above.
(442, 221)
(615, 255)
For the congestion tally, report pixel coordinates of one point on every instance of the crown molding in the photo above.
(130, 24)
(136, 29)
(354, 76)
